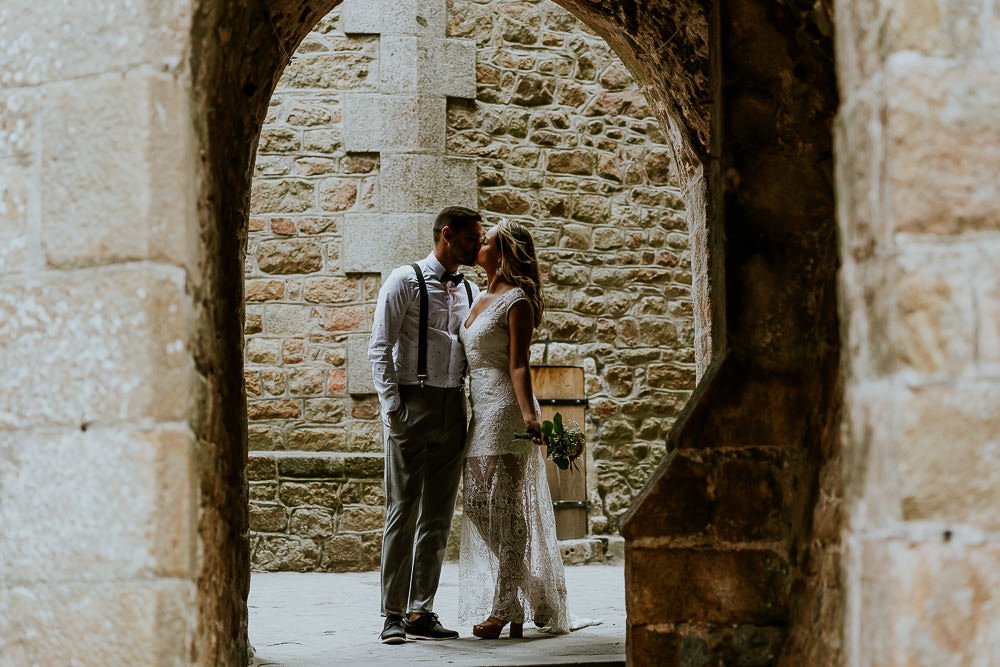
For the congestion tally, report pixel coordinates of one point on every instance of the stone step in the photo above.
(270, 465)
(593, 549)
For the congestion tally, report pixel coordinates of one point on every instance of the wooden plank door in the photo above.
(561, 389)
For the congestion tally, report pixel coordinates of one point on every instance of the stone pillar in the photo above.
(918, 153)
(98, 229)
(405, 123)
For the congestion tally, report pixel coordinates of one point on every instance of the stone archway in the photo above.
(746, 93)
(754, 133)
(124, 175)
(538, 117)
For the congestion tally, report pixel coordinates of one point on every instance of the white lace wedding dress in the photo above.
(510, 562)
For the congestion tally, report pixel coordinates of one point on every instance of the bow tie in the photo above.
(453, 278)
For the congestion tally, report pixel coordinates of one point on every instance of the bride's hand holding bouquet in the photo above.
(563, 445)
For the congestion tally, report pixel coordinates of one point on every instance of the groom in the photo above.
(418, 365)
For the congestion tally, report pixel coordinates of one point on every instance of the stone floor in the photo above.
(315, 619)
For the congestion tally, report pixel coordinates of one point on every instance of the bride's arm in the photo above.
(520, 326)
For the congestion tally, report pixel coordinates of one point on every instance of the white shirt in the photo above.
(393, 346)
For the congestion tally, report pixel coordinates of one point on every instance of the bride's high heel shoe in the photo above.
(493, 626)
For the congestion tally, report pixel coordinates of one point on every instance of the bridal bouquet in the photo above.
(563, 445)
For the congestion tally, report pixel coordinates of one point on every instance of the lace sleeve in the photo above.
(512, 297)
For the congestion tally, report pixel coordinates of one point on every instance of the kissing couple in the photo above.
(432, 327)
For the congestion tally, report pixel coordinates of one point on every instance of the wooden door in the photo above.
(561, 389)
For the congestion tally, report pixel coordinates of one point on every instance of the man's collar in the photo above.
(435, 265)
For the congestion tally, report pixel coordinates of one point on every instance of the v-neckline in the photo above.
(468, 325)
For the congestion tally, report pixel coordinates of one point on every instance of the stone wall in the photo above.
(124, 182)
(567, 144)
(918, 145)
(563, 140)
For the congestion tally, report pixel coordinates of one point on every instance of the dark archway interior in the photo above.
(732, 547)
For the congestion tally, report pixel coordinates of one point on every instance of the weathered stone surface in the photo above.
(935, 314)
(284, 196)
(105, 201)
(91, 43)
(313, 523)
(133, 486)
(318, 438)
(283, 553)
(332, 289)
(306, 381)
(109, 622)
(267, 518)
(442, 67)
(419, 183)
(264, 290)
(928, 130)
(571, 162)
(115, 343)
(274, 409)
(380, 243)
(341, 551)
(362, 518)
(290, 256)
(947, 473)
(389, 17)
(397, 123)
(926, 603)
(318, 493)
(729, 587)
(338, 194)
(330, 70)
(311, 466)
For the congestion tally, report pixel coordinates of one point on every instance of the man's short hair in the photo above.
(456, 217)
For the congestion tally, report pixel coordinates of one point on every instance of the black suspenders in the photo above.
(422, 335)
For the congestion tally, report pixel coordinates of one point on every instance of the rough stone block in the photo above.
(948, 464)
(20, 238)
(97, 504)
(428, 66)
(397, 123)
(115, 156)
(860, 156)
(870, 32)
(108, 623)
(394, 17)
(20, 242)
(364, 465)
(95, 345)
(92, 38)
(281, 553)
(359, 369)
(312, 522)
(316, 466)
(267, 517)
(751, 493)
(361, 518)
(942, 132)
(341, 551)
(327, 71)
(987, 281)
(934, 318)
(928, 603)
(688, 585)
(375, 243)
(426, 183)
(321, 494)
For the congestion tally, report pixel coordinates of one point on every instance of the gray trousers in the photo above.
(423, 466)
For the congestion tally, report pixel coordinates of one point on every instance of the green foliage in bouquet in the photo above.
(563, 445)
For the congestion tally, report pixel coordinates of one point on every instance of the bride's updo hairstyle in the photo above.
(518, 265)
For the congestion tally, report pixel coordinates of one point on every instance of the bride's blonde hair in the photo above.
(518, 265)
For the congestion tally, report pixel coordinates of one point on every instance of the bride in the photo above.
(511, 569)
